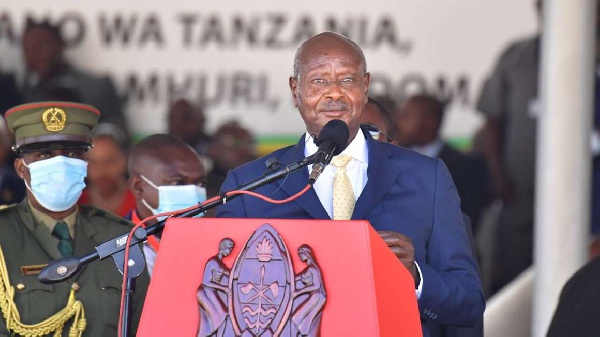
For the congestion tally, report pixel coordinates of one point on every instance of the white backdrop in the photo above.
(237, 55)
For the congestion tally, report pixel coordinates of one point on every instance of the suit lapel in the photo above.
(40, 233)
(381, 174)
(295, 182)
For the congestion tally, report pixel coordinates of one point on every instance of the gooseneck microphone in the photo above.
(332, 140)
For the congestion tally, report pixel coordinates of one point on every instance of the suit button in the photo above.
(20, 286)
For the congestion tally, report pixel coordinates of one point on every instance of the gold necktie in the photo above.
(343, 194)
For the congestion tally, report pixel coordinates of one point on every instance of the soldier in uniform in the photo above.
(52, 140)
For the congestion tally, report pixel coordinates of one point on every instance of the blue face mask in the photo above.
(173, 198)
(56, 183)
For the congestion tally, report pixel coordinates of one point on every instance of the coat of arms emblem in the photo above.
(54, 119)
(260, 295)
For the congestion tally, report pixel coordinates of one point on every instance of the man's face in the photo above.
(42, 50)
(30, 157)
(107, 163)
(185, 122)
(226, 248)
(409, 124)
(331, 84)
(181, 167)
(232, 147)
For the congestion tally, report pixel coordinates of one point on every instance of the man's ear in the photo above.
(20, 168)
(294, 88)
(135, 185)
(367, 82)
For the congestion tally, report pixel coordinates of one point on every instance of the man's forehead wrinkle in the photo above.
(322, 64)
(344, 55)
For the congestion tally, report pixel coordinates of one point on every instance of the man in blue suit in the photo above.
(408, 198)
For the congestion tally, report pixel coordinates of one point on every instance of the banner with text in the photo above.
(236, 56)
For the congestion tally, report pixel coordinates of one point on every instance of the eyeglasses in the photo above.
(375, 133)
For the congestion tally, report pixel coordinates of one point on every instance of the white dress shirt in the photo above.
(356, 171)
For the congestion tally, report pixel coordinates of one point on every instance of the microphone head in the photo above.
(336, 131)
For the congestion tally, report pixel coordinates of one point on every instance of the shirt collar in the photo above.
(357, 148)
(49, 222)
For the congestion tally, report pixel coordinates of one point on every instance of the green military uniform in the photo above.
(26, 242)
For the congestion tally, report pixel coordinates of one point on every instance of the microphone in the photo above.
(332, 140)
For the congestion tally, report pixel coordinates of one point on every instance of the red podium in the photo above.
(365, 290)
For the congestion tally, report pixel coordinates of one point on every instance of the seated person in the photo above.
(107, 172)
(50, 76)
(165, 175)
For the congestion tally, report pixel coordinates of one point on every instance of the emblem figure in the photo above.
(309, 297)
(261, 285)
(213, 292)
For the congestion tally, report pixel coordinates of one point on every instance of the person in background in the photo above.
(407, 197)
(510, 102)
(187, 121)
(231, 146)
(51, 141)
(417, 122)
(579, 304)
(10, 95)
(165, 175)
(12, 188)
(107, 172)
(50, 75)
(377, 118)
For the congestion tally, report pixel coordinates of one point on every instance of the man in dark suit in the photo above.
(579, 305)
(417, 122)
(409, 198)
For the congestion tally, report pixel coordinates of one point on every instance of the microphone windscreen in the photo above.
(336, 131)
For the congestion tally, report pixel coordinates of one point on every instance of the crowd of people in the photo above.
(426, 198)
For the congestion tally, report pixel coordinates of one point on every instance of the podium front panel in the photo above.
(367, 291)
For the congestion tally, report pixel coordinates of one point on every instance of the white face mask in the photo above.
(57, 182)
(173, 198)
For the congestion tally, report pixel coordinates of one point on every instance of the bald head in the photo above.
(161, 160)
(330, 82)
(320, 43)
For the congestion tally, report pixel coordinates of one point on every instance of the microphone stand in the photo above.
(63, 269)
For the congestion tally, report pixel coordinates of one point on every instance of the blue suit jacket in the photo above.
(406, 192)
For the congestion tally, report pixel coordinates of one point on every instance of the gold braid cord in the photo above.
(54, 324)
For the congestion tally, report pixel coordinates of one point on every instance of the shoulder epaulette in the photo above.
(7, 207)
(105, 214)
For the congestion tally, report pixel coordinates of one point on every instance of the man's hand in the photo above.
(402, 246)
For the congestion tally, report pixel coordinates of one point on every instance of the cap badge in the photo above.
(54, 119)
